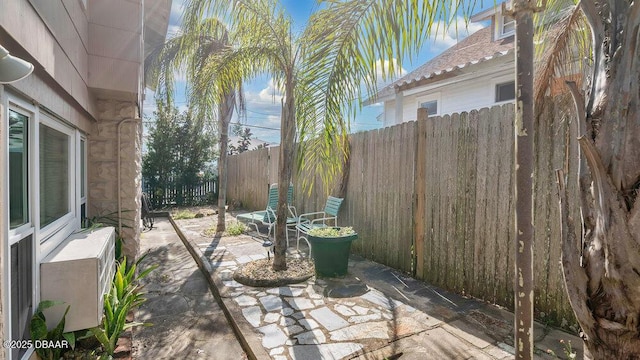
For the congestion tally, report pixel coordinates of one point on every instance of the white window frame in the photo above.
(499, 81)
(28, 110)
(22, 232)
(502, 24)
(82, 181)
(53, 234)
(428, 98)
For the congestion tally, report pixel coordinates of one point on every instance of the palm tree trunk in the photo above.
(225, 114)
(602, 269)
(287, 134)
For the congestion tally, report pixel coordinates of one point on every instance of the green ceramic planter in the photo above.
(331, 254)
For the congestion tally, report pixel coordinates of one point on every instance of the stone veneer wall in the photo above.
(103, 173)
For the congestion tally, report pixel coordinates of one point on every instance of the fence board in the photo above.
(429, 255)
(470, 204)
(419, 212)
(505, 194)
(406, 201)
(492, 255)
(459, 178)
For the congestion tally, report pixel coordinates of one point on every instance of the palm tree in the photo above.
(198, 50)
(320, 71)
(601, 243)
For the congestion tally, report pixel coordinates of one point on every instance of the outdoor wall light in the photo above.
(12, 68)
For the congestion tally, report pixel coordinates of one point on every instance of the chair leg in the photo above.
(298, 244)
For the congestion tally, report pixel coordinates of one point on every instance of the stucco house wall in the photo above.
(474, 91)
(88, 86)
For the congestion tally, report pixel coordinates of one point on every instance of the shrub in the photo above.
(332, 231)
(235, 228)
(124, 294)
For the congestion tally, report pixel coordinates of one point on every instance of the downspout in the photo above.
(118, 174)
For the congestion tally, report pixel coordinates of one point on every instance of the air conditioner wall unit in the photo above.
(79, 272)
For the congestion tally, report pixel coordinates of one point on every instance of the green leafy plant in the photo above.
(235, 228)
(332, 231)
(125, 294)
(40, 334)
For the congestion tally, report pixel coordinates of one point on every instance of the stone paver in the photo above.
(324, 351)
(253, 314)
(271, 302)
(328, 319)
(359, 316)
(273, 336)
(369, 330)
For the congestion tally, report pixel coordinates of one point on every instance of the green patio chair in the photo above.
(267, 217)
(327, 217)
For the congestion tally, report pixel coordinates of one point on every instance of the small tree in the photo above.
(243, 143)
(178, 149)
(214, 90)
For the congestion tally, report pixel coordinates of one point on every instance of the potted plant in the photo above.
(330, 248)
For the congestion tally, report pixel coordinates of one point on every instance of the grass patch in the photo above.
(184, 214)
(234, 228)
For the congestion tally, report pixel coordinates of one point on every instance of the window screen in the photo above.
(54, 175)
(506, 91)
(21, 292)
(431, 106)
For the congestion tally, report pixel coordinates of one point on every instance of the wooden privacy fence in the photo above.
(435, 198)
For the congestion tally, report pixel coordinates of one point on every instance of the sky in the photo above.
(263, 99)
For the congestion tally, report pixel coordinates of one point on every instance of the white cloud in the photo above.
(173, 30)
(271, 93)
(384, 64)
(456, 31)
(273, 120)
(177, 8)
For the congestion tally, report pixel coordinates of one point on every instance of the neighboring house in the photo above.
(477, 72)
(70, 134)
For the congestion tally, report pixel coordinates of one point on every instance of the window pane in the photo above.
(506, 91)
(508, 24)
(431, 106)
(21, 292)
(82, 167)
(18, 170)
(54, 175)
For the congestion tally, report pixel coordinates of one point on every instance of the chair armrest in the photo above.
(292, 211)
(324, 220)
(307, 217)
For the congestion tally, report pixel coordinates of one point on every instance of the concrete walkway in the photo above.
(373, 313)
(187, 321)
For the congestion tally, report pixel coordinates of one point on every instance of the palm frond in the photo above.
(564, 44)
(341, 47)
